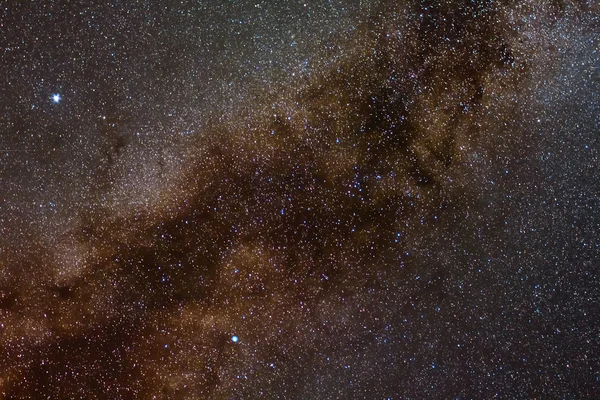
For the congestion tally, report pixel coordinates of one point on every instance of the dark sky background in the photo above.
(299, 200)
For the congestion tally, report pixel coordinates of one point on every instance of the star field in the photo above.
(300, 200)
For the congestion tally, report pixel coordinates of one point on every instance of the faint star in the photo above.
(56, 98)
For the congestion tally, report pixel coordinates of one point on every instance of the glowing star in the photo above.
(56, 98)
(234, 339)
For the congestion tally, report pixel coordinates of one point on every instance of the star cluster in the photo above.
(332, 200)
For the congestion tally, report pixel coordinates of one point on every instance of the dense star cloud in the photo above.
(330, 200)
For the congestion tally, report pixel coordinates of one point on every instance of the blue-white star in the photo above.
(56, 98)
(234, 339)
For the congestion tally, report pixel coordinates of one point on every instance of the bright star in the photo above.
(234, 339)
(56, 98)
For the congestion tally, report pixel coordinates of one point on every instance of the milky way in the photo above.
(299, 200)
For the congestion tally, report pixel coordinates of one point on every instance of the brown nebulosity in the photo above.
(275, 220)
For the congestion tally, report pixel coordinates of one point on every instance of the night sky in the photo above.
(279, 199)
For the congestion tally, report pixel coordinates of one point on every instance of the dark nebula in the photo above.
(300, 200)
